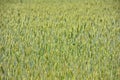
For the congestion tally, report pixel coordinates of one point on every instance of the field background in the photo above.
(59, 39)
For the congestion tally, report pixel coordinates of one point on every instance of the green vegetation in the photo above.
(60, 40)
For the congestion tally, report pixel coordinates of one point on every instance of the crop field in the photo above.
(59, 39)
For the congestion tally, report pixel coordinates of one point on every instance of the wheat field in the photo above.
(59, 40)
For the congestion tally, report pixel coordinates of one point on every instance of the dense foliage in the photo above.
(71, 40)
